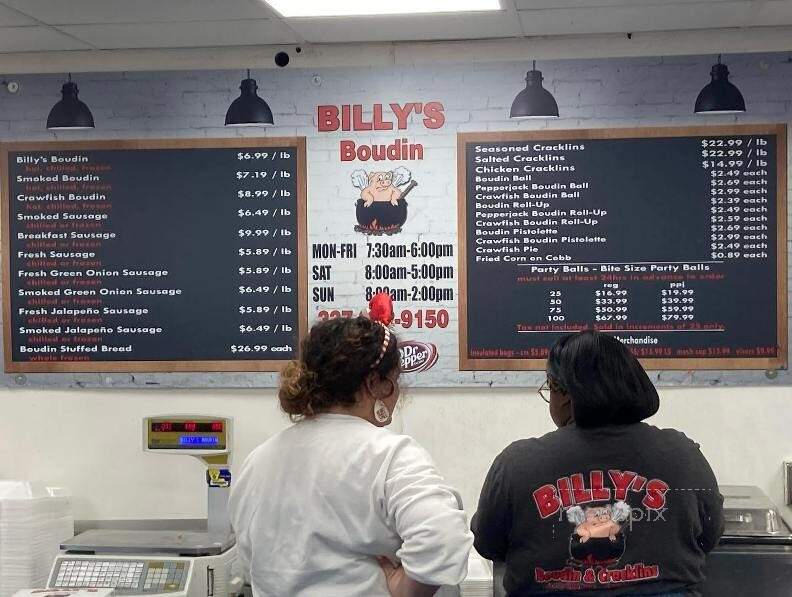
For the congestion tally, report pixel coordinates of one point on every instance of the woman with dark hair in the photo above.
(606, 504)
(337, 505)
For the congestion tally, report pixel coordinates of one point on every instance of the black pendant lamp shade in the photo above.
(70, 113)
(534, 101)
(249, 109)
(719, 96)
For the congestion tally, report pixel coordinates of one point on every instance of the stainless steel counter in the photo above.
(754, 556)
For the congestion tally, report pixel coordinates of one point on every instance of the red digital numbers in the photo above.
(190, 426)
(217, 426)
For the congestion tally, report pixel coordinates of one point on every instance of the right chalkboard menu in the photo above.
(671, 239)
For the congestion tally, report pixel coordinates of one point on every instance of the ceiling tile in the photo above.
(772, 13)
(122, 24)
(183, 35)
(37, 39)
(80, 12)
(406, 27)
(13, 18)
(540, 4)
(625, 19)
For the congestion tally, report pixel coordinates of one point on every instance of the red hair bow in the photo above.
(381, 308)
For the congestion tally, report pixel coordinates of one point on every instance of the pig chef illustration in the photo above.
(598, 537)
(382, 206)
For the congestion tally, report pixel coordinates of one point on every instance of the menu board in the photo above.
(177, 255)
(671, 239)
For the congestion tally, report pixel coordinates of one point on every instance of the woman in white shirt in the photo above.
(336, 505)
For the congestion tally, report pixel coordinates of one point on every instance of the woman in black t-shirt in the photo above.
(606, 504)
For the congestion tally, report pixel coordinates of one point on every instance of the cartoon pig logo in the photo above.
(598, 537)
(380, 188)
(382, 206)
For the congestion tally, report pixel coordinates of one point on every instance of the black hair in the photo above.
(336, 357)
(605, 383)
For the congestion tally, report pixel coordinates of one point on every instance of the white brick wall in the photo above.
(590, 94)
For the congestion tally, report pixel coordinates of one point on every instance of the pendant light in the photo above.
(70, 113)
(534, 101)
(719, 96)
(249, 109)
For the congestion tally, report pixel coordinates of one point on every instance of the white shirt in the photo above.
(315, 504)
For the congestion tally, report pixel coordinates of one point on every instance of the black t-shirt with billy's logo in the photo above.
(617, 510)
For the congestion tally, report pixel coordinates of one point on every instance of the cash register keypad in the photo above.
(125, 576)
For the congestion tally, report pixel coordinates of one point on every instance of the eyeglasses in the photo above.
(544, 391)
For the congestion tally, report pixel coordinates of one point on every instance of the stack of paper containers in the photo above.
(34, 520)
(479, 577)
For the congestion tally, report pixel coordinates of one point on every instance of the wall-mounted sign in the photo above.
(673, 240)
(179, 255)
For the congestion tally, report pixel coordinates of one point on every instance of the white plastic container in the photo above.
(34, 520)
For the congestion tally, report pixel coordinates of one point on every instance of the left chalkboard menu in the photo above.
(167, 255)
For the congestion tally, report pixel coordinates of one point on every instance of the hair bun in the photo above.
(296, 385)
(336, 358)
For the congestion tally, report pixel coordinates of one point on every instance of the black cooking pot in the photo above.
(381, 216)
(597, 550)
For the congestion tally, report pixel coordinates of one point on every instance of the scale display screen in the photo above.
(191, 426)
(198, 440)
(186, 434)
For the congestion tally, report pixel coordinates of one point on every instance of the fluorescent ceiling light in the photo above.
(346, 8)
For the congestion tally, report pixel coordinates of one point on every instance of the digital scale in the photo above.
(164, 562)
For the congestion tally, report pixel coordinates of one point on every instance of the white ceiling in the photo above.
(58, 25)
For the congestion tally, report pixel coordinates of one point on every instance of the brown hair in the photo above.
(335, 359)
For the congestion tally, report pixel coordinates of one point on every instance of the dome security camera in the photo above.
(281, 59)
(12, 86)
